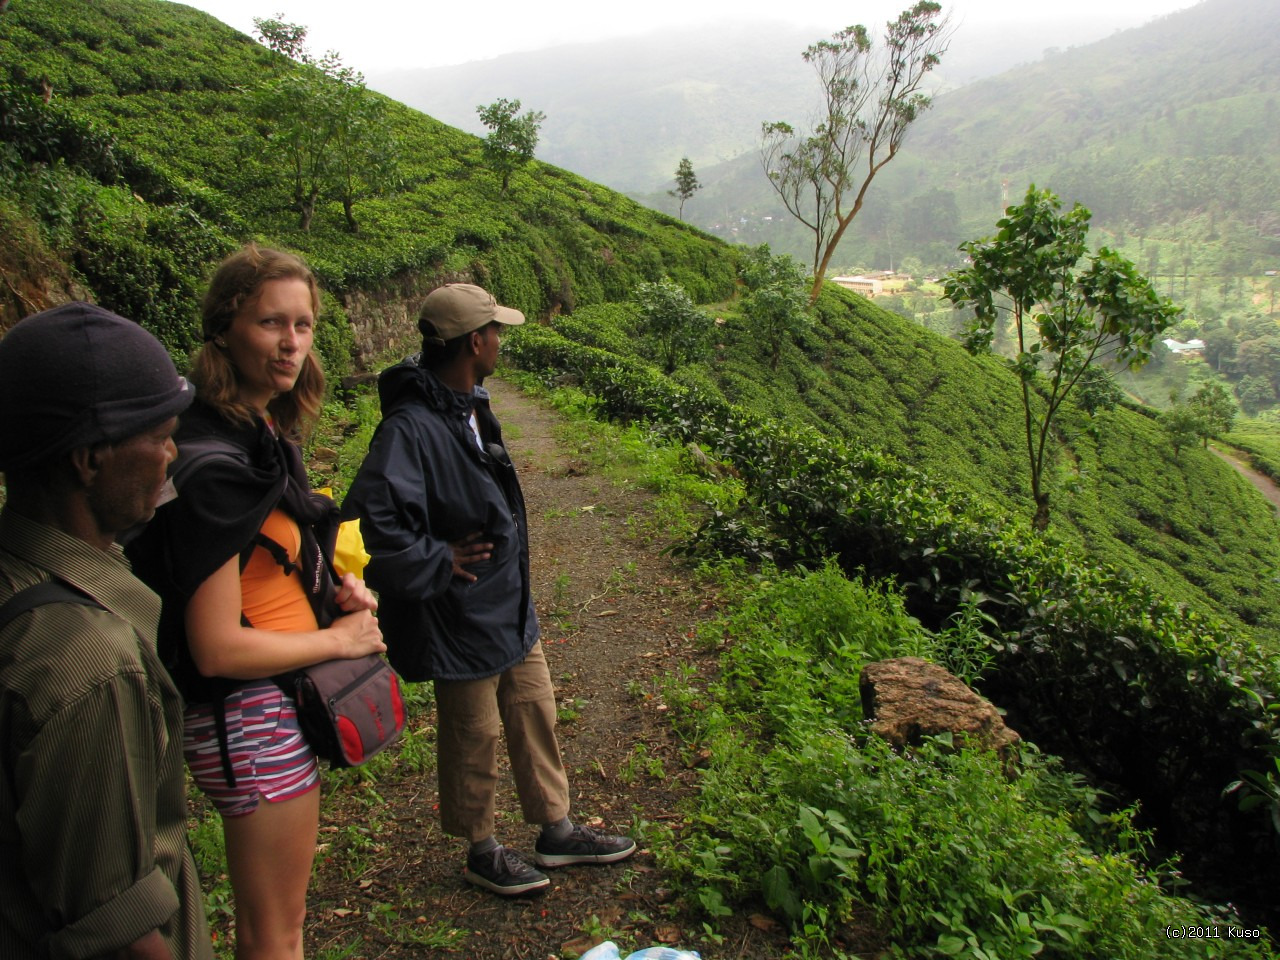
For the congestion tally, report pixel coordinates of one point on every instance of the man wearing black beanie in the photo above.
(93, 851)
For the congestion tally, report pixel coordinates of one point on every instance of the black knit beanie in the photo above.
(79, 375)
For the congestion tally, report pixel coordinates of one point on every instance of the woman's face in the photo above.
(269, 339)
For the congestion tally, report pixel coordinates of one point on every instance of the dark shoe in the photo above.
(582, 845)
(504, 872)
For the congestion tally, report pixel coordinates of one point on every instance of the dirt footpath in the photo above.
(1261, 482)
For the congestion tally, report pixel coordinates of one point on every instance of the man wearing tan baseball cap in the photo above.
(444, 520)
(458, 308)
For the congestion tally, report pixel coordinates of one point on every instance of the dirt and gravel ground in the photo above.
(616, 613)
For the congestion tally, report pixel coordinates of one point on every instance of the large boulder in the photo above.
(907, 699)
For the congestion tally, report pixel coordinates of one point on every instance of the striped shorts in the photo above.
(269, 756)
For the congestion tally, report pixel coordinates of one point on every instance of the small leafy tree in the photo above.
(1097, 390)
(1255, 394)
(870, 98)
(1213, 404)
(287, 39)
(365, 161)
(677, 331)
(775, 302)
(1260, 357)
(1184, 425)
(330, 130)
(512, 139)
(686, 184)
(1069, 309)
(1219, 346)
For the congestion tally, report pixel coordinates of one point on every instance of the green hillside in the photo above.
(1188, 523)
(1147, 128)
(146, 163)
(130, 160)
(1165, 132)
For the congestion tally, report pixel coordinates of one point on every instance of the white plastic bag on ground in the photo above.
(609, 951)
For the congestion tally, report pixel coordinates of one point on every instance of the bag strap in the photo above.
(40, 594)
(196, 453)
(285, 681)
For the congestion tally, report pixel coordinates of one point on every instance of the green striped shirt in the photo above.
(93, 848)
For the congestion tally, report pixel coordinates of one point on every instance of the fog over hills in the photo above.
(1167, 126)
(624, 113)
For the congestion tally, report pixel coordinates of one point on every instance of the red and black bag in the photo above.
(349, 710)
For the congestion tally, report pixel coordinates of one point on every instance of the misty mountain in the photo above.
(623, 113)
(1167, 128)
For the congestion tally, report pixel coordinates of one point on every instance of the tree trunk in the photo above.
(1041, 520)
(307, 209)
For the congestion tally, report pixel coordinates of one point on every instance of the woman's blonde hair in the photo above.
(237, 281)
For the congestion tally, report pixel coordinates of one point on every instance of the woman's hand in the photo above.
(222, 646)
(353, 594)
(358, 634)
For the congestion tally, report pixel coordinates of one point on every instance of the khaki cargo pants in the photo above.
(519, 702)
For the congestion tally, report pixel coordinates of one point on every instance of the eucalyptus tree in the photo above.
(1069, 310)
(686, 183)
(871, 96)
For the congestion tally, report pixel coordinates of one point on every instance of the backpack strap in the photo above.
(285, 681)
(195, 453)
(40, 594)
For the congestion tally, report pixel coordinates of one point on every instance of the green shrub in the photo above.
(801, 808)
(1155, 696)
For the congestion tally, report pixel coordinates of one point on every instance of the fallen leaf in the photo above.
(343, 911)
(666, 933)
(578, 946)
(700, 759)
(608, 613)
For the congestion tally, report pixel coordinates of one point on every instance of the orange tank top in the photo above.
(272, 599)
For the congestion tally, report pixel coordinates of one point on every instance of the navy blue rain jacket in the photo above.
(424, 484)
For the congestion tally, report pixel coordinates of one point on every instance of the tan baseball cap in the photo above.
(459, 308)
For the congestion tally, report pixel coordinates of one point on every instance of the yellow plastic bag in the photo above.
(349, 555)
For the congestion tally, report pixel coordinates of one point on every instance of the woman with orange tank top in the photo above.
(227, 556)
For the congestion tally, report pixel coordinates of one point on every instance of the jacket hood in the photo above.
(407, 382)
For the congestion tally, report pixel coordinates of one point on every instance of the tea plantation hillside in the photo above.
(131, 160)
(129, 151)
(133, 155)
(1184, 522)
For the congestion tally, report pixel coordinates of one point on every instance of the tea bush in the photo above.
(1154, 696)
(802, 809)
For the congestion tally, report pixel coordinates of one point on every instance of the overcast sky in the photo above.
(376, 35)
